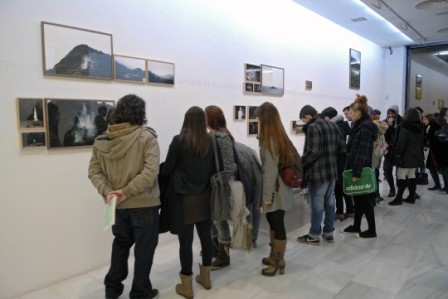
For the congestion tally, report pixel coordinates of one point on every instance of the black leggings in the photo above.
(277, 223)
(186, 244)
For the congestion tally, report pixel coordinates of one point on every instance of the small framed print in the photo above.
(251, 112)
(160, 72)
(33, 139)
(440, 104)
(248, 87)
(272, 80)
(257, 87)
(418, 86)
(308, 85)
(252, 73)
(297, 127)
(355, 69)
(239, 112)
(252, 128)
(130, 69)
(31, 114)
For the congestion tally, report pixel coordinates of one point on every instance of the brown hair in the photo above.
(194, 132)
(360, 104)
(216, 120)
(430, 117)
(273, 136)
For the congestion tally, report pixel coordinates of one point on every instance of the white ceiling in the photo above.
(420, 26)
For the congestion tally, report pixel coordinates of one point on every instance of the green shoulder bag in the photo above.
(367, 183)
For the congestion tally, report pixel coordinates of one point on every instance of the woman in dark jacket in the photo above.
(408, 155)
(190, 164)
(359, 155)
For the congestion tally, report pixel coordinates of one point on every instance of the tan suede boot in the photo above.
(278, 261)
(204, 277)
(267, 260)
(185, 288)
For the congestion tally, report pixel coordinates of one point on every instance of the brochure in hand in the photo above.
(109, 213)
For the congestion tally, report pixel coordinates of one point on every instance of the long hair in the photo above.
(216, 120)
(194, 132)
(431, 118)
(131, 109)
(272, 135)
(411, 120)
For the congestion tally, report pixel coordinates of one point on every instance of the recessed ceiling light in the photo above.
(443, 30)
(431, 4)
(360, 19)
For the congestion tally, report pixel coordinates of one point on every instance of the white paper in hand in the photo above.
(109, 213)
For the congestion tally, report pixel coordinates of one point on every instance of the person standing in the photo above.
(125, 164)
(323, 143)
(408, 155)
(189, 165)
(359, 155)
(393, 119)
(217, 124)
(276, 151)
(437, 157)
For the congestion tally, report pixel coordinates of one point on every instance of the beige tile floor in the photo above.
(409, 259)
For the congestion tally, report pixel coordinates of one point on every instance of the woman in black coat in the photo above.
(408, 155)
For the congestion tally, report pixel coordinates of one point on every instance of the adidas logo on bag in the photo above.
(359, 187)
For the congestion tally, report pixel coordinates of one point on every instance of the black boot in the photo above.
(412, 184)
(398, 200)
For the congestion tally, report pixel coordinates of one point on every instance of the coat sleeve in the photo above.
(97, 176)
(270, 173)
(171, 158)
(147, 178)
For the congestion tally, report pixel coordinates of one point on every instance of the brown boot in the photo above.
(278, 261)
(185, 288)
(204, 277)
(267, 260)
(223, 259)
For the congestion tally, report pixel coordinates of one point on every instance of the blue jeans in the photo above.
(322, 200)
(138, 226)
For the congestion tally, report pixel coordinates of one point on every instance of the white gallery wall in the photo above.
(51, 216)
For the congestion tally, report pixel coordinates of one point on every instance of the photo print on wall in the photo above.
(272, 80)
(239, 112)
(160, 72)
(76, 52)
(130, 69)
(72, 123)
(251, 114)
(252, 128)
(33, 139)
(355, 69)
(31, 113)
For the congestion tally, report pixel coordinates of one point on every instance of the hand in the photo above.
(355, 180)
(119, 194)
(267, 202)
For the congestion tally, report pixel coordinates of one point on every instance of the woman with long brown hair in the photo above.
(276, 151)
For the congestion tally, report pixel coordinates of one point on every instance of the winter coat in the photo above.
(438, 151)
(360, 145)
(408, 151)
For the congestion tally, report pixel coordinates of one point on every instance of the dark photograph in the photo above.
(31, 113)
(252, 128)
(252, 72)
(33, 139)
(248, 87)
(252, 110)
(239, 112)
(160, 72)
(75, 122)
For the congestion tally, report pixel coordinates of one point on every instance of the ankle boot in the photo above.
(185, 288)
(267, 260)
(223, 258)
(398, 200)
(204, 277)
(412, 185)
(278, 261)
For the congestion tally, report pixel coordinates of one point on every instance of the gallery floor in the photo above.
(409, 259)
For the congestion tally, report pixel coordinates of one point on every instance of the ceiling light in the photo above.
(431, 4)
(360, 19)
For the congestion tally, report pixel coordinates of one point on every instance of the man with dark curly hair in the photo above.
(125, 164)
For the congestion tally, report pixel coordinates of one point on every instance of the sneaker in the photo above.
(306, 239)
(351, 229)
(366, 235)
(329, 239)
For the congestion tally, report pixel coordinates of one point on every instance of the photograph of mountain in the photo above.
(130, 69)
(160, 72)
(76, 52)
(272, 80)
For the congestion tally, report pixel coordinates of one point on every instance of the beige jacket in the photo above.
(127, 157)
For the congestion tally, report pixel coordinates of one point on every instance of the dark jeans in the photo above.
(388, 172)
(186, 245)
(435, 176)
(254, 218)
(341, 198)
(138, 226)
(277, 223)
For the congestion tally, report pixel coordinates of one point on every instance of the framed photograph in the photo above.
(239, 112)
(440, 104)
(308, 85)
(297, 127)
(160, 72)
(76, 52)
(130, 69)
(31, 114)
(73, 123)
(355, 69)
(248, 87)
(257, 87)
(252, 128)
(418, 86)
(251, 115)
(33, 139)
(272, 80)
(252, 73)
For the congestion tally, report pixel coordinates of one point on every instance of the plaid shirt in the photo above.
(323, 141)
